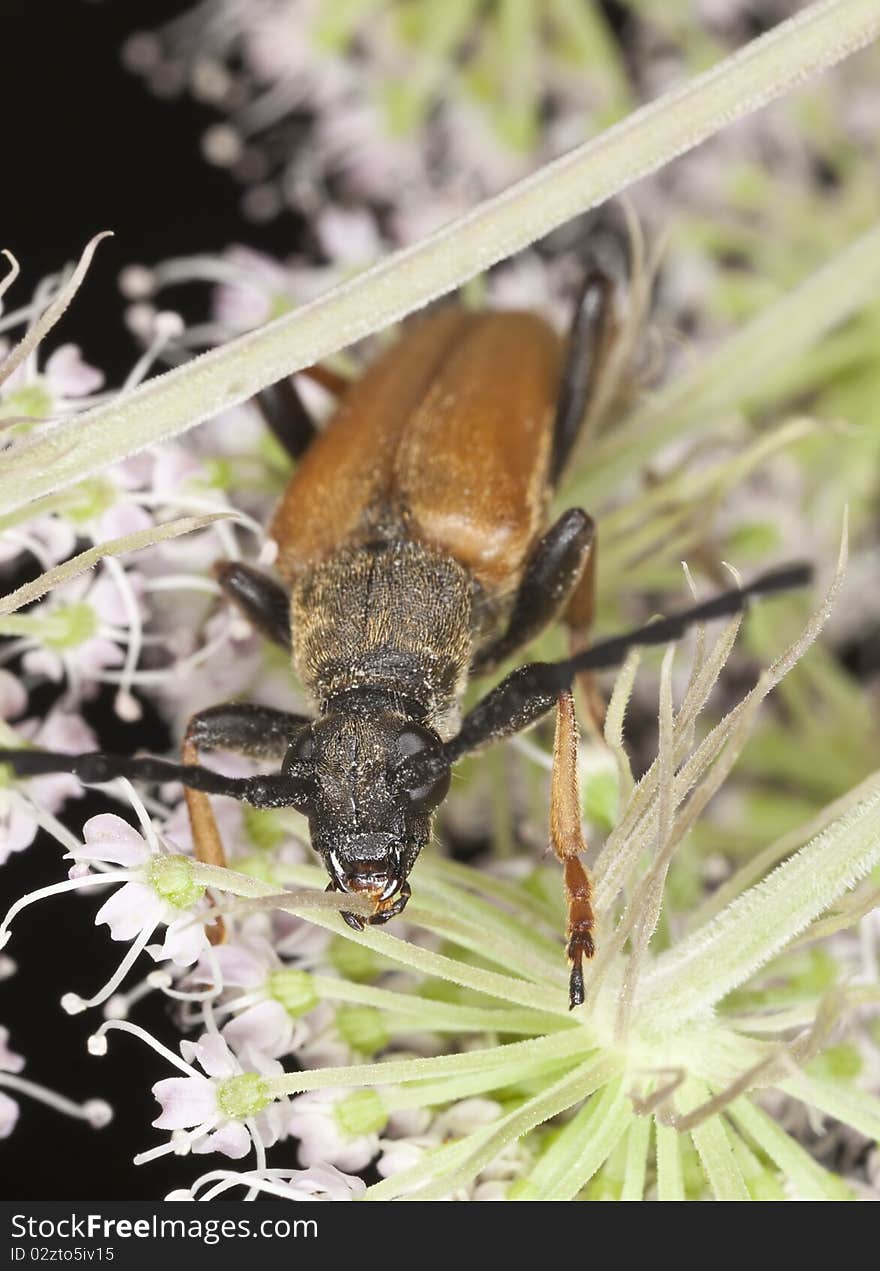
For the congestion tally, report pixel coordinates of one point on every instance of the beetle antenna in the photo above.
(97, 767)
(532, 690)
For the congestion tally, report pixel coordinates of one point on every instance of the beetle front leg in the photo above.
(257, 731)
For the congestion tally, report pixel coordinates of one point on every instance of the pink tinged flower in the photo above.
(10, 1061)
(349, 236)
(18, 825)
(18, 822)
(266, 1027)
(314, 1120)
(8, 1115)
(13, 696)
(213, 1109)
(69, 376)
(110, 839)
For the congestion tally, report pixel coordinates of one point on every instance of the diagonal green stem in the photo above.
(824, 33)
(689, 980)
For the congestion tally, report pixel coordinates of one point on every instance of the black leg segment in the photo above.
(257, 731)
(283, 410)
(532, 690)
(551, 576)
(586, 343)
(263, 601)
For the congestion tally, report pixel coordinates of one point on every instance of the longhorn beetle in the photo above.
(414, 554)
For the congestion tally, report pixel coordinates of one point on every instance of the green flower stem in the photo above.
(638, 1140)
(410, 1011)
(486, 942)
(822, 34)
(476, 915)
(487, 884)
(739, 370)
(670, 1176)
(582, 1147)
(689, 980)
(456, 1165)
(713, 1147)
(250, 888)
(488, 1082)
(810, 1181)
(557, 1046)
(505, 987)
(762, 862)
(84, 561)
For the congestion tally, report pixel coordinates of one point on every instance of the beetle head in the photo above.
(367, 822)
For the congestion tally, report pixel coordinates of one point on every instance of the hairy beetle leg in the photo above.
(568, 844)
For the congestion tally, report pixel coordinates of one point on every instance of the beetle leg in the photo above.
(578, 618)
(263, 601)
(257, 731)
(530, 691)
(568, 843)
(556, 566)
(285, 412)
(588, 341)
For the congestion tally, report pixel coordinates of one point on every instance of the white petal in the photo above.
(69, 376)
(212, 1053)
(231, 1139)
(129, 910)
(186, 1101)
(109, 838)
(266, 1027)
(185, 941)
(8, 1115)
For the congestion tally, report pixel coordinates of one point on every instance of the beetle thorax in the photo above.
(392, 616)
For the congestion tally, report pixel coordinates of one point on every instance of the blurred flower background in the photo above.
(729, 1045)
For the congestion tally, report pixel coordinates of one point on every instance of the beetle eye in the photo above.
(410, 741)
(424, 798)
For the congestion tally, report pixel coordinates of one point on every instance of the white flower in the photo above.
(158, 889)
(60, 731)
(315, 1120)
(213, 1109)
(9, 1062)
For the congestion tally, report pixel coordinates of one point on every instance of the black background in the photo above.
(84, 147)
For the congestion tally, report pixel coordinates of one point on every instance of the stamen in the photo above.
(97, 1112)
(73, 1004)
(97, 1043)
(119, 1005)
(126, 705)
(56, 889)
(260, 1152)
(179, 1143)
(149, 830)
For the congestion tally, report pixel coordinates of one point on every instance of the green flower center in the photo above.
(90, 500)
(295, 990)
(172, 879)
(361, 1112)
(69, 626)
(363, 1028)
(243, 1096)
